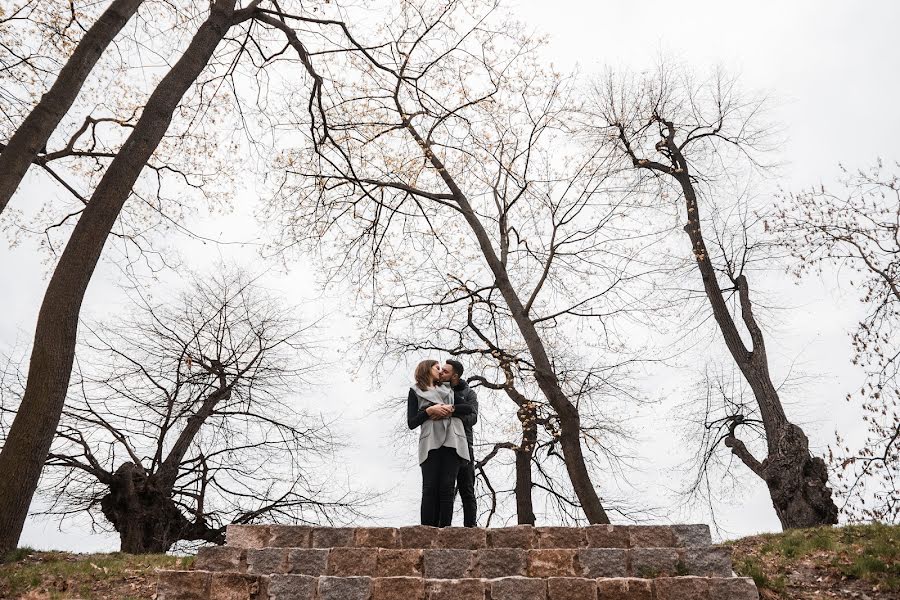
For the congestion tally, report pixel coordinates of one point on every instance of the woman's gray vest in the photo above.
(444, 432)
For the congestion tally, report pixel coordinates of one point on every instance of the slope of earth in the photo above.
(854, 562)
(34, 575)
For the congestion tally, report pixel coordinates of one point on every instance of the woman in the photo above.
(442, 441)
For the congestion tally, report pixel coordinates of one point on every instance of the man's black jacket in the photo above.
(463, 395)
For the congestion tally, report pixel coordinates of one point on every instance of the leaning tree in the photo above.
(228, 35)
(183, 418)
(682, 141)
(31, 433)
(31, 136)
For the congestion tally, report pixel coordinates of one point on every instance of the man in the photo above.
(464, 396)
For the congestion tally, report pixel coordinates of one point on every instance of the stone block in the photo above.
(648, 563)
(377, 537)
(290, 536)
(183, 585)
(345, 588)
(454, 589)
(552, 562)
(332, 537)
(220, 559)
(561, 537)
(237, 586)
(518, 588)
(308, 561)
(349, 562)
(732, 588)
(603, 562)
(292, 587)
(400, 563)
(419, 536)
(469, 538)
(624, 588)
(606, 536)
(521, 536)
(571, 588)
(681, 588)
(248, 536)
(398, 588)
(706, 561)
(651, 536)
(267, 561)
(691, 535)
(447, 563)
(500, 562)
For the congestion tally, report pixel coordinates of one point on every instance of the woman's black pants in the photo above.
(439, 472)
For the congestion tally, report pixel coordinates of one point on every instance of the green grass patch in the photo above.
(18, 554)
(749, 567)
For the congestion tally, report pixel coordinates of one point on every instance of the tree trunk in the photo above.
(570, 422)
(797, 482)
(145, 515)
(38, 126)
(524, 454)
(569, 419)
(35, 424)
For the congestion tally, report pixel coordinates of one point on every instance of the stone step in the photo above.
(454, 563)
(522, 536)
(205, 585)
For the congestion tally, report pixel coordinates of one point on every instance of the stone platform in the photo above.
(599, 562)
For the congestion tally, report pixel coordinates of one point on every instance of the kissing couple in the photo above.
(444, 408)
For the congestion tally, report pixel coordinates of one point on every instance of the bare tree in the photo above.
(678, 137)
(858, 230)
(449, 158)
(17, 155)
(182, 418)
(32, 431)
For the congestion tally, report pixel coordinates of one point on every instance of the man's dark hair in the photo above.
(457, 367)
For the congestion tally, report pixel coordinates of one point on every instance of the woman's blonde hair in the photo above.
(423, 374)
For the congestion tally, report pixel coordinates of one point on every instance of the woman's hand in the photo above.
(437, 412)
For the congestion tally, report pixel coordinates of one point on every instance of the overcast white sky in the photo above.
(830, 68)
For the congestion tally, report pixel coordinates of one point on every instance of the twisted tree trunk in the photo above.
(38, 126)
(142, 510)
(33, 429)
(797, 481)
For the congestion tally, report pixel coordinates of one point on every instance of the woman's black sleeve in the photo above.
(414, 416)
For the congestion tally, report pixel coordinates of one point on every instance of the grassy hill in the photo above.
(853, 562)
(34, 575)
(861, 561)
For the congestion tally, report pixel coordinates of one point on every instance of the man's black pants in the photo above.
(465, 482)
(439, 474)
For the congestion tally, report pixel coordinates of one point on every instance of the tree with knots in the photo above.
(182, 418)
